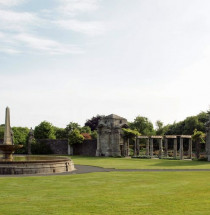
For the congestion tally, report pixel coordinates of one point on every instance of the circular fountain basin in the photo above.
(34, 164)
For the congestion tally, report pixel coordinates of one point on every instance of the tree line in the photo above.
(141, 126)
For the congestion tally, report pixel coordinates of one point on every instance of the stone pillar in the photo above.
(135, 146)
(190, 148)
(147, 147)
(160, 147)
(128, 148)
(166, 147)
(8, 140)
(138, 147)
(116, 144)
(181, 150)
(175, 148)
(108, 151)
(98, 150)
(151, 147)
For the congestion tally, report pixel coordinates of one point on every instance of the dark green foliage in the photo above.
(93, 122)
(44, 130)
(20, 135)
(75, 137)
(129, 133)
(94, 135)
(85, 129)
(142, 125)
(188, 125)
(198, 137)
(1, 131)
(161, 129)
(71, 126)
(60, 133)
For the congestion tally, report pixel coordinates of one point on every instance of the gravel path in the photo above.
(82, 169)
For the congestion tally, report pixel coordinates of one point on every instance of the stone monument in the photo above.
(8, 147)
(109, 140)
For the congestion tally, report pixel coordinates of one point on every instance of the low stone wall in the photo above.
(59, 147)
(87, 148)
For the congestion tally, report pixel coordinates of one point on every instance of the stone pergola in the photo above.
(161, 139)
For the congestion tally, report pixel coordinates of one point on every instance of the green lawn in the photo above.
(131, 163)
(107, 193)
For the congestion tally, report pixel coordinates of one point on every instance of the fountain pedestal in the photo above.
(8, 150)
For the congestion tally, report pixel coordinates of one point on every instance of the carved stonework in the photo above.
(110, 139)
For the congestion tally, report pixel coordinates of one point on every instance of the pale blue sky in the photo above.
(68, 60)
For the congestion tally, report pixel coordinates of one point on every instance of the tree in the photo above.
(142, 125)
(75, 137)
(85, 129)
(20, 135)
(93, 122)
(60, 133)
(1, 131)
(72, 126)
(198, 137)
(94, 135)
(161, 129)
(45, 130)
(129, 133)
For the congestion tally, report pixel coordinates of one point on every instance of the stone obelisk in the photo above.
(7, 131)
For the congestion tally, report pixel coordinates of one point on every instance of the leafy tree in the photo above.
(20, 135)
(75, 137)
(60, 133)
(93, 122)
(161, 129)
(45, 130)
(190, 124)
(198, 137)
(142, 125)
(72, 126)
(85, 129)
(94, 135)
(1, 131)
(129, 133)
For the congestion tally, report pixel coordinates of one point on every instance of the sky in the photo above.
(69, 60)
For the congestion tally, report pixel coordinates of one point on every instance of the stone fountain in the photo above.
(28, 164)
(8, 147)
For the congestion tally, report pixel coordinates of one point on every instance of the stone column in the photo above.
(8, 140)
(151, 147)
(181, 151)
(190, 148)
(138, 147)
(147, 147)
(108, 151)
(166, 147)
(160, 147)
(98, 150)
(175, 148)
(128, 148)
(135, 144)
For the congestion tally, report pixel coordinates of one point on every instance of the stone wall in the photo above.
(59, 147)
(87, 148)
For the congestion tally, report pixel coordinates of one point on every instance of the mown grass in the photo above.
(107, 193)
(134, 163)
